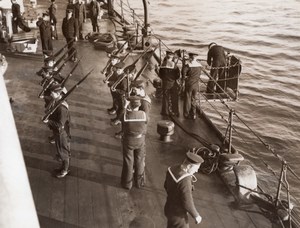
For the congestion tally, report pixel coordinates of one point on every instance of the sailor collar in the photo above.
(178, 176)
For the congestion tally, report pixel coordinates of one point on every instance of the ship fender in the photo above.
(246, 181)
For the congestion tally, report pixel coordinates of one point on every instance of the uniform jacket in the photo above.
(191, 72)
(80, 12)
(45, 28)
(94, 9)
(168, 73)
(59, 121)
(216, 56)
(178, 185)
(146, 105)
(134, 123)
(69, 27)
(122, 86)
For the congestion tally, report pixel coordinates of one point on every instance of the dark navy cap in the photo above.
(69, 10)
(138, 84)
(194, 158)
(168, 52)
(45, 14)
(120, 65)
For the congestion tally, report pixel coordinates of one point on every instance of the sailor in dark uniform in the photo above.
(80, 16)
(44, 25)
(121, 90)
(191, 72)
(17, 20)
(69, 30)
(52, 13)
(137, 88)
(134, 127)
(95, 13)
(169, 73)
(216, 59)
(111, 77)
(179, 186)
(59, 123)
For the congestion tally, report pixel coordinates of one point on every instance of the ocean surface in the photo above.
(265, 35)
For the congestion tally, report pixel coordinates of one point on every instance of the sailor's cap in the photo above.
(45, 14)
(120, 65)
(110, 49)
(134, 100)
(69, 10)
(138, 84)
(194, 158)
(170, 53)
(211, 44)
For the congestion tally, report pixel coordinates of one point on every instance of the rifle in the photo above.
(52, 80)
(61, 50)
(64, 97)
(63, 65)
(111, 73)
(129, 69)
(108, 62)
(69, 75)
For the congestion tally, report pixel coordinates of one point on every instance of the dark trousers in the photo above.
(114, 100)
(47, 43)
(71, 48)
(170, 101)
(133, 160)
(95, 24)
(219, 76)
(191, 99)
(120, 104)
(63, 147)
(19, 23)
(80, 29)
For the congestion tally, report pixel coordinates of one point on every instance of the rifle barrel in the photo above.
(70, 74)
(64, 97)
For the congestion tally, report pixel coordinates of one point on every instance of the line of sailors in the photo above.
(131, 106)
(59, 121)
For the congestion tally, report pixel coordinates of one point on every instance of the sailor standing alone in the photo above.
(179, 186)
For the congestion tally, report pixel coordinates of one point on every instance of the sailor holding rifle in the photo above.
(59, 123)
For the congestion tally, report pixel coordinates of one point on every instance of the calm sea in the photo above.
(265, 35)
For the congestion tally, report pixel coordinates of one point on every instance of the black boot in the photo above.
(65, 170)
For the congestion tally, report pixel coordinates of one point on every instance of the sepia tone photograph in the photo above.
(149, 114)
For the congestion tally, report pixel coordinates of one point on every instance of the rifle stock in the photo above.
(70, 74)
(64, 97)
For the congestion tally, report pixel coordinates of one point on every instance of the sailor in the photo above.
(69, 29)
(53, 20)
(44, 25)
(191, 72)
(134, 127)
(17, 20)
(111, 77)
(59, 123)
(121, 87)
(80, 16)
(179, 186)
(137, 88)
(95, 13)
(169, 73)
(216, 59)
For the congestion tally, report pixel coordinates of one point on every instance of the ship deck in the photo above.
(91, 195)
